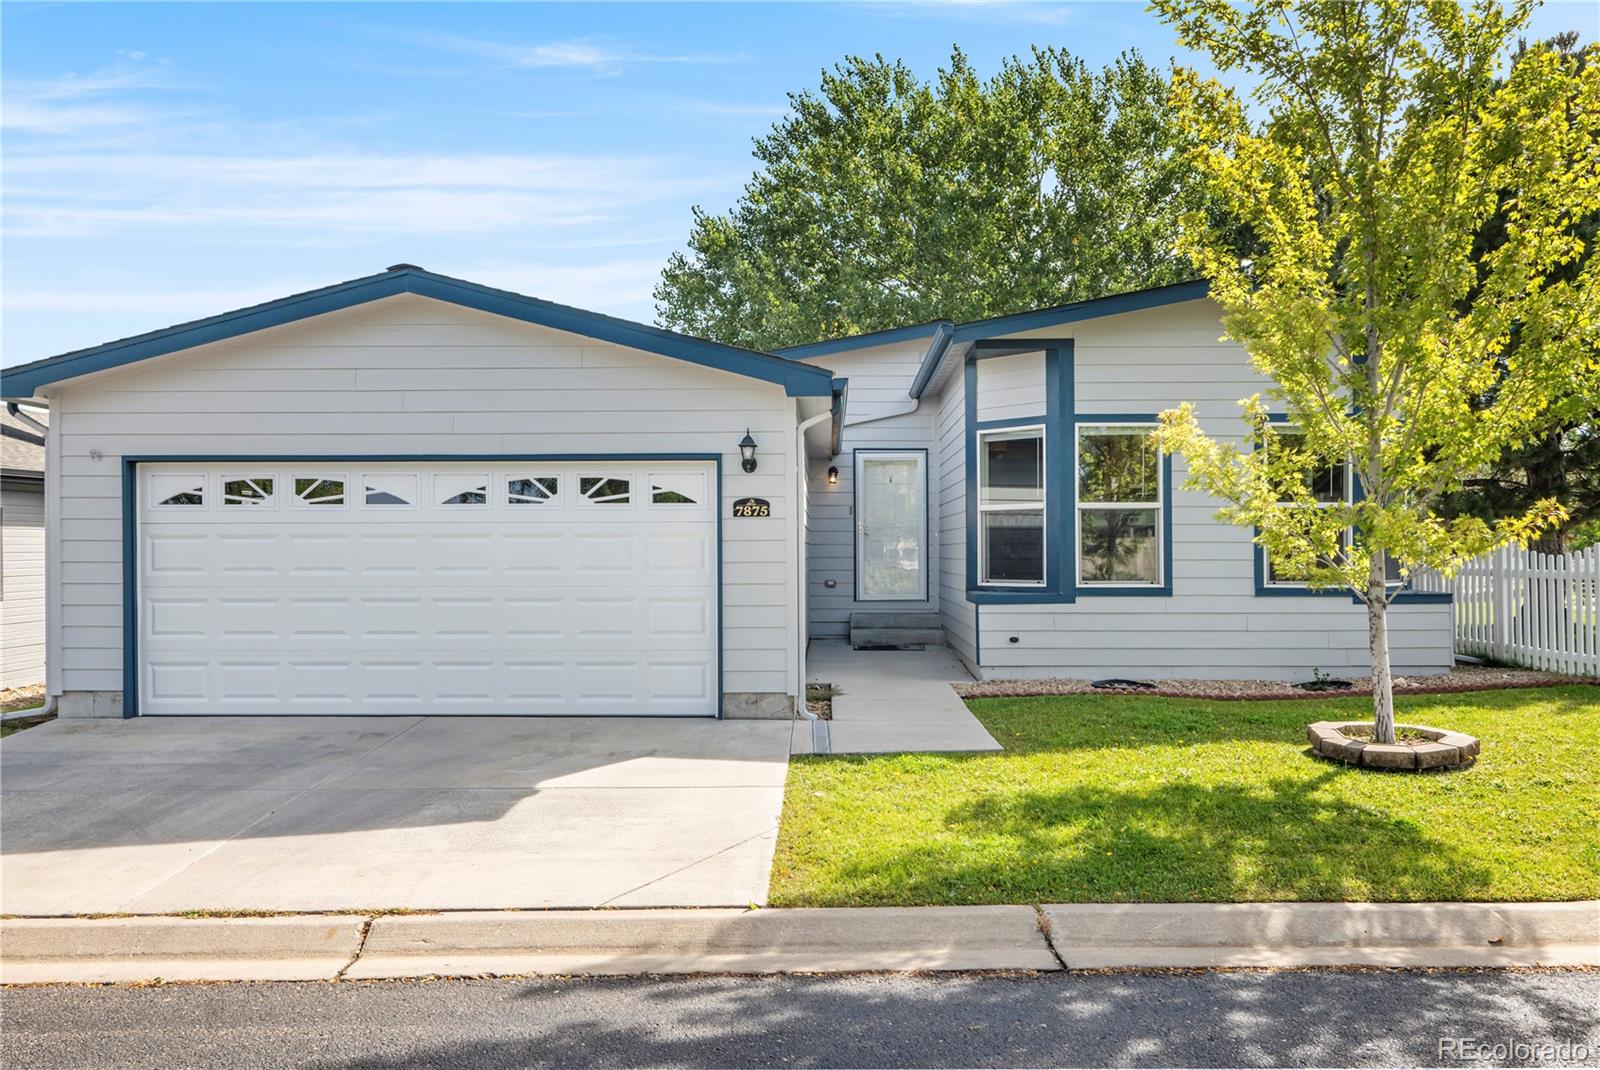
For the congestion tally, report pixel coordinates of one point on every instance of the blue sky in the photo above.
(165, 162)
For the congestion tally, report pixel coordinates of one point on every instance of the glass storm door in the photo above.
(891, 525)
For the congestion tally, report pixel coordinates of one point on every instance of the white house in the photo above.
(413, 494)
(21, 550)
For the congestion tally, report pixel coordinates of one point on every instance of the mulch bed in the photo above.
(21, 698)
(1463, 678)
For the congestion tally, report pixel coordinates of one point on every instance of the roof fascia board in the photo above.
(930, 360)
(859, 341)
(798, 380)
(1094, 308)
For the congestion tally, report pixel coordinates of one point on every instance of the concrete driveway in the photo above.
(156, 815)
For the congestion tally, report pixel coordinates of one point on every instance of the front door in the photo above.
(891, 525)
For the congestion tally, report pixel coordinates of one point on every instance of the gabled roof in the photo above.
(861, 341)
(1094, 308)
(798, 380)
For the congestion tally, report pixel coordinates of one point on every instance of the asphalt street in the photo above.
(1151, 1019)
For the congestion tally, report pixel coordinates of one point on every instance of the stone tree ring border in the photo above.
(1445, 750)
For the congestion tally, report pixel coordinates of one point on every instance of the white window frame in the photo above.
(1349, 533)
(1041, 507)
(1078, 506)
(297, 502)
(158, 500)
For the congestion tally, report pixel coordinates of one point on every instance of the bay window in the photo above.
(1011, 512)
(1119, 502)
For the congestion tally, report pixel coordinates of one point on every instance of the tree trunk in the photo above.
(1378, 645)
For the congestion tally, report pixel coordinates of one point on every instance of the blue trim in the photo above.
(861, 341)
(1164, 589)
(798, 380)
(1093, 308)
(927, 525)
(933, 358)
(1060, 539)
(841, 404)
(130, 563)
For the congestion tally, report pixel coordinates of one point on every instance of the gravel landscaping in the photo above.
(1462, 678)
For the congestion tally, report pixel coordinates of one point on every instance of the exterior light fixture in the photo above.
(747, 452)
(833, 476)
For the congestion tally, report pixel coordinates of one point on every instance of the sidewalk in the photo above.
(893, 701)
(618, 942)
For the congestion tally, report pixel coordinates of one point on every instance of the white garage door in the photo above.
(439, 588)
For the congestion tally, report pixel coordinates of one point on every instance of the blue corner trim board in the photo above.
(862, 341)
(1060, 545)
(130, 529)
(798, 380)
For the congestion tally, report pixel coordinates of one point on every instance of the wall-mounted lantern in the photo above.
(747, 452)
(833, 476)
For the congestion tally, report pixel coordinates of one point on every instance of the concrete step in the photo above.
(895, 620)
(895, 638)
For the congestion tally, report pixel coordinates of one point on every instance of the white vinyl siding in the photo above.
(880, 383)
(410, 376)
(1011, 388)
(950, 450)
(22, 595)
(1213, 624)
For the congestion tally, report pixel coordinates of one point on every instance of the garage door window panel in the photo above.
(461, 488)
(677, 488)
(390, 489)
(170, 490)
(532, 490)
(605, 490)
(319, 490)
(256, 491)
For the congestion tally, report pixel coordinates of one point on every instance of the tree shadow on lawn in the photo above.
(1175, 842)
(1104, 722)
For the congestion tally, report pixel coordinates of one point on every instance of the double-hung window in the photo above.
(1011, 527)
(1120, 498)
(1329, 486)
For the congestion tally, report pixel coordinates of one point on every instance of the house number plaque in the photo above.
(752, 507)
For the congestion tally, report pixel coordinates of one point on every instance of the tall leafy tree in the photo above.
(884, 200)
(1393, 134)
(1564, 461)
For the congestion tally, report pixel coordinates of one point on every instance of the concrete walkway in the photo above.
(893, 701)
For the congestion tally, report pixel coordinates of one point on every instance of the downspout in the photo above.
(15, 409)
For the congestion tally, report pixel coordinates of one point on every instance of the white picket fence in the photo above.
(1528, 608)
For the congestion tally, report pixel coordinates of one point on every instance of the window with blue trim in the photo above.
(1120, 498)
(1328, 486)
(1011, 492)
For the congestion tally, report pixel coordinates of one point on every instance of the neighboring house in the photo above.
(413, 494)
(21, 550)
(1054, 540)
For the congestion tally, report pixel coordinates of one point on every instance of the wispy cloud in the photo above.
(74, 103)
(88, 195)
(597, 56)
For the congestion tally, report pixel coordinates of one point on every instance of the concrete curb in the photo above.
(600, 942)
(707, 941)
(303, 947)
(1101, 935)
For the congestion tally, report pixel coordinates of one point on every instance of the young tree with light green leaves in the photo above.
(1386, 133)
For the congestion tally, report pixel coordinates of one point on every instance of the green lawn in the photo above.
(1127, 799)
